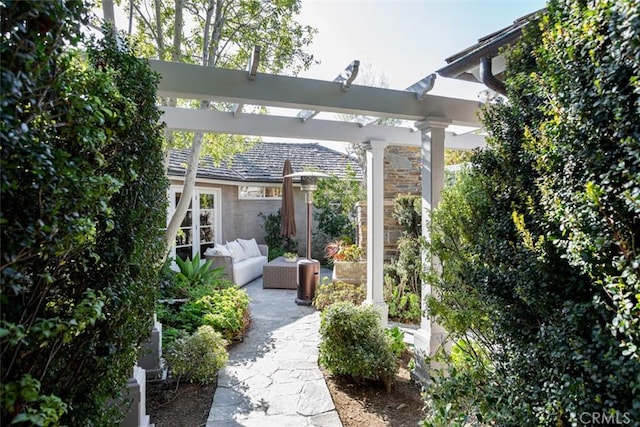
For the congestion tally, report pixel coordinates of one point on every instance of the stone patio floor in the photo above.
(272, 378)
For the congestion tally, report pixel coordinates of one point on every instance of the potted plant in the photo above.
(290, 256)
(348, 265)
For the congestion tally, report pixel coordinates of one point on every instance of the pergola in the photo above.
(429, 117)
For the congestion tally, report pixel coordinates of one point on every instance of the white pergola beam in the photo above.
(466, 141)
(187, 81)
(209, 121)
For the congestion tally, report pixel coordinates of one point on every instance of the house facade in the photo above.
(229, 198)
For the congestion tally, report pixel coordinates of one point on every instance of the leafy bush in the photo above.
(226, 310)
(329, 292)
(455, 398)
(407, 211)
(278, 244)
(334, 205)
(209, 288)
(403, 276)
(82, 212)
(169, 284)
(198, 357)
(404, 307)
(538, 239)
(396, 338)
(171, 334)
(352, 342)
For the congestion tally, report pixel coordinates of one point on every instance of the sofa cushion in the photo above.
(236, 251)
(222, 250)
(217, 249)
(250, 247)
(248, 269)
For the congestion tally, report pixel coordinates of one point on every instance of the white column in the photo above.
(430, 336)
(375, 228)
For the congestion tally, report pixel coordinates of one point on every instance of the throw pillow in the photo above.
(236, 251)
(222, 250)
(250, 247)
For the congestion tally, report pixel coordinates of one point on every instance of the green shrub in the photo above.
(192, 282)
(41, 410)
(396, 339)
(169, 284)
(403, 276)
(209, 288)
(407, 211)
(82, 212)
(334, 204)
(352, 342)
(457, 397)
(329, 292)
(538, 240)
(278, 245)
(171, 334)
(226, 310)
(403, 306)
(198, 357)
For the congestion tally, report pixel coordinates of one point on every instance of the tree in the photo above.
(335, 202)
(538, 240)
(219, 33)
(83, 196)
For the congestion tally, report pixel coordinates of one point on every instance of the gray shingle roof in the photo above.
(264, 161)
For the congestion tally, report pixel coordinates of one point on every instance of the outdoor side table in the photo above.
(280, 274)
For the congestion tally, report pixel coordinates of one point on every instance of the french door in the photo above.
(200, 228)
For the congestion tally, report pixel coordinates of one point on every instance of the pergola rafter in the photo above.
(187, 81)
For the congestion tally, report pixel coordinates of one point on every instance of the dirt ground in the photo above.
(369, 405)
(359, 404)
(188, 406)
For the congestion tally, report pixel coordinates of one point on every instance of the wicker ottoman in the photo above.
(279, 274)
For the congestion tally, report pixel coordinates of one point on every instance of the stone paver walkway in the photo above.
(272, 378)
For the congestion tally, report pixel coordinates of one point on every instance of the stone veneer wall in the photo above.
(402, 175)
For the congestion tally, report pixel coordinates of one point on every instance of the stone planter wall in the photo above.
(350, 272)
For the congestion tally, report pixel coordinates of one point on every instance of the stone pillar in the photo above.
(151, 357)
(375, 228)
(430, 336)
(136, 391)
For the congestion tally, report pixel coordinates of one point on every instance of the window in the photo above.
(259, 192)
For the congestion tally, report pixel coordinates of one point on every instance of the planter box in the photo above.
(350, 272)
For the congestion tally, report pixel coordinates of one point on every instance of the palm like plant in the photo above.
(193, 273)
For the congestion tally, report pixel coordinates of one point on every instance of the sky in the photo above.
(404, 40)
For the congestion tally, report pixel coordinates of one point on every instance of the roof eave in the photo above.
(459, 68)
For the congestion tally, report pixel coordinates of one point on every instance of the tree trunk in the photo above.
(187, 187)
(196, 145)
(108, 13)
(158, 29)
(176, 52)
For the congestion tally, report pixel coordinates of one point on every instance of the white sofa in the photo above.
(242, 260)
